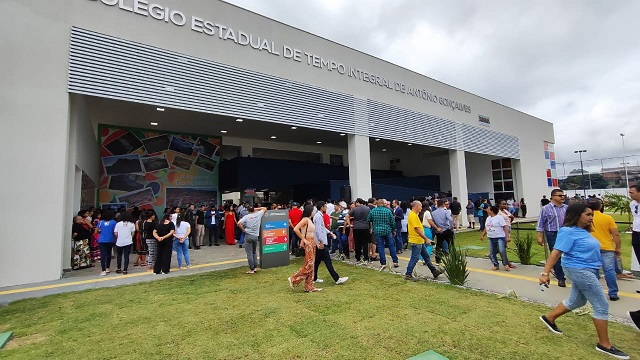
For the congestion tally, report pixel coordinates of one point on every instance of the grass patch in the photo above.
(230, 315)
(472, 238)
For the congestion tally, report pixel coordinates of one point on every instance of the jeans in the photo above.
(105, 255)
(322, 255)
(498, 245)
(405, 238)
(586, 287)
(182, 248)
(293, 240)
(481, 221)
(123, 251)
(399, 242)
(241, 241)
(250, 246)
(609, 269)
(388, 241)
(418, 250)
(551, 242)
(429, 234)
(635, 243)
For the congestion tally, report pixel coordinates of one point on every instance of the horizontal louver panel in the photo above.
(106, 66)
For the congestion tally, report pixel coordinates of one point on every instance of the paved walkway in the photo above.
(523, 280)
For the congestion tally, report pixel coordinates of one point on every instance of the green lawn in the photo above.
(472, 238)
(230, 315)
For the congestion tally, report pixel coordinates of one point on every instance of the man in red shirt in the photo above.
(295, 215)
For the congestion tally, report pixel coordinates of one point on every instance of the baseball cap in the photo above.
(343, 204)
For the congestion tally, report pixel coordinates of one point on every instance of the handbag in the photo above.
(300, 250)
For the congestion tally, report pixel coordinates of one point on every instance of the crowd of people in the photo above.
(581, 237)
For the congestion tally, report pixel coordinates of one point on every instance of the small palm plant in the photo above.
(455, 265)
(618, 203)
(524, 248)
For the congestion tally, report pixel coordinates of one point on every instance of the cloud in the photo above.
(573, 63)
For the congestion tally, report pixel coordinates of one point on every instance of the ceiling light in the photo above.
(273, 137)
(294, 127)
(223, 131)
(160, 109)
(318, 142)
(384, 149)
(377, 139)
(409, 144)
(343, 134)
(154, 123)
(239, 120)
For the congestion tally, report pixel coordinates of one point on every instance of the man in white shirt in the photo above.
(322, 251)
(330, 207)
(634, 193)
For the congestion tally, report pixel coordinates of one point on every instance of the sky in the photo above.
(573, 63)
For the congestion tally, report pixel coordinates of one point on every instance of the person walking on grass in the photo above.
(383, 226)
(498, 232)
(471, 210)
(322, 252)
(581, 260)
(305, 230)
(550, 220)
(417, 239)
(250, 226)
(124, 239)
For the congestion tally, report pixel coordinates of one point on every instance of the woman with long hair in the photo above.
(93, 246)
(229, 225)
(146, 234)
(581, 262)
(106, 240)
(141, 247)
(523, 207)
(497, 230)
(163, 233)
(124, 240)
(181, 241)
(304, 230)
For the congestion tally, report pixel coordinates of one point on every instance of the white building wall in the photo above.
(34, 113)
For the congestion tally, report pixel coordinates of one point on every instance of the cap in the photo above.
(342, 204)
(293, 203)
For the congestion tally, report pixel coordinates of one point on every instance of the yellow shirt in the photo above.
(602, 225)
(414, 222)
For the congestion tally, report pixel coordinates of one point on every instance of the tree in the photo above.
(618, 203)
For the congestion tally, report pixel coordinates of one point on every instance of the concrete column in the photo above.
(326, 158)
(359, 167)
(518, 191)
(458, 168)
(246, 151)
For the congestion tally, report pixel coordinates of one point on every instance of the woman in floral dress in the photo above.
(305, 230)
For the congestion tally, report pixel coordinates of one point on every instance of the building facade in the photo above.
(198, 67)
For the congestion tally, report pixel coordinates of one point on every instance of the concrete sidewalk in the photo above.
(523, 280)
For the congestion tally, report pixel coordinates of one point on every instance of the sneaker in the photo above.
(613, 351)
(410, 277)
(436, 273)
(342, 280)
(562, 283)
(396, 265)
(550, 325)
(614, 298)
(104, 273)
(382, 267)
(290, 283)
(124, 272)
(107, 271)
(635, 317)
(318, 281)
(118, 271)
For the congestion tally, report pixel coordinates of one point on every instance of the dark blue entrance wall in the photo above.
(314, 180)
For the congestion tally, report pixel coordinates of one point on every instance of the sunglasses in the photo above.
(561, 195)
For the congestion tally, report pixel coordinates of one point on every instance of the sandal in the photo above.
(495, 268)
(507, 268)
(250, 272)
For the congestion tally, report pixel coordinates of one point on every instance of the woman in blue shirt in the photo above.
(106, 240)
(581, 261)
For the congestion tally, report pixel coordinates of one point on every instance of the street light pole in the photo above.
(624, 161)
(584, 190)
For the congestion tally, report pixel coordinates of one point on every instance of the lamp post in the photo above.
(624, 161)
(584, 190)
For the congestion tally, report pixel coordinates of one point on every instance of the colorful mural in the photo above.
(550, 157)
(153, 170)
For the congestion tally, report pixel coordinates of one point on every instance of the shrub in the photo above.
(455, 265)
(524, 248)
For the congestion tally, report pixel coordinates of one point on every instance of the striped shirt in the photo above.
(551, 217)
